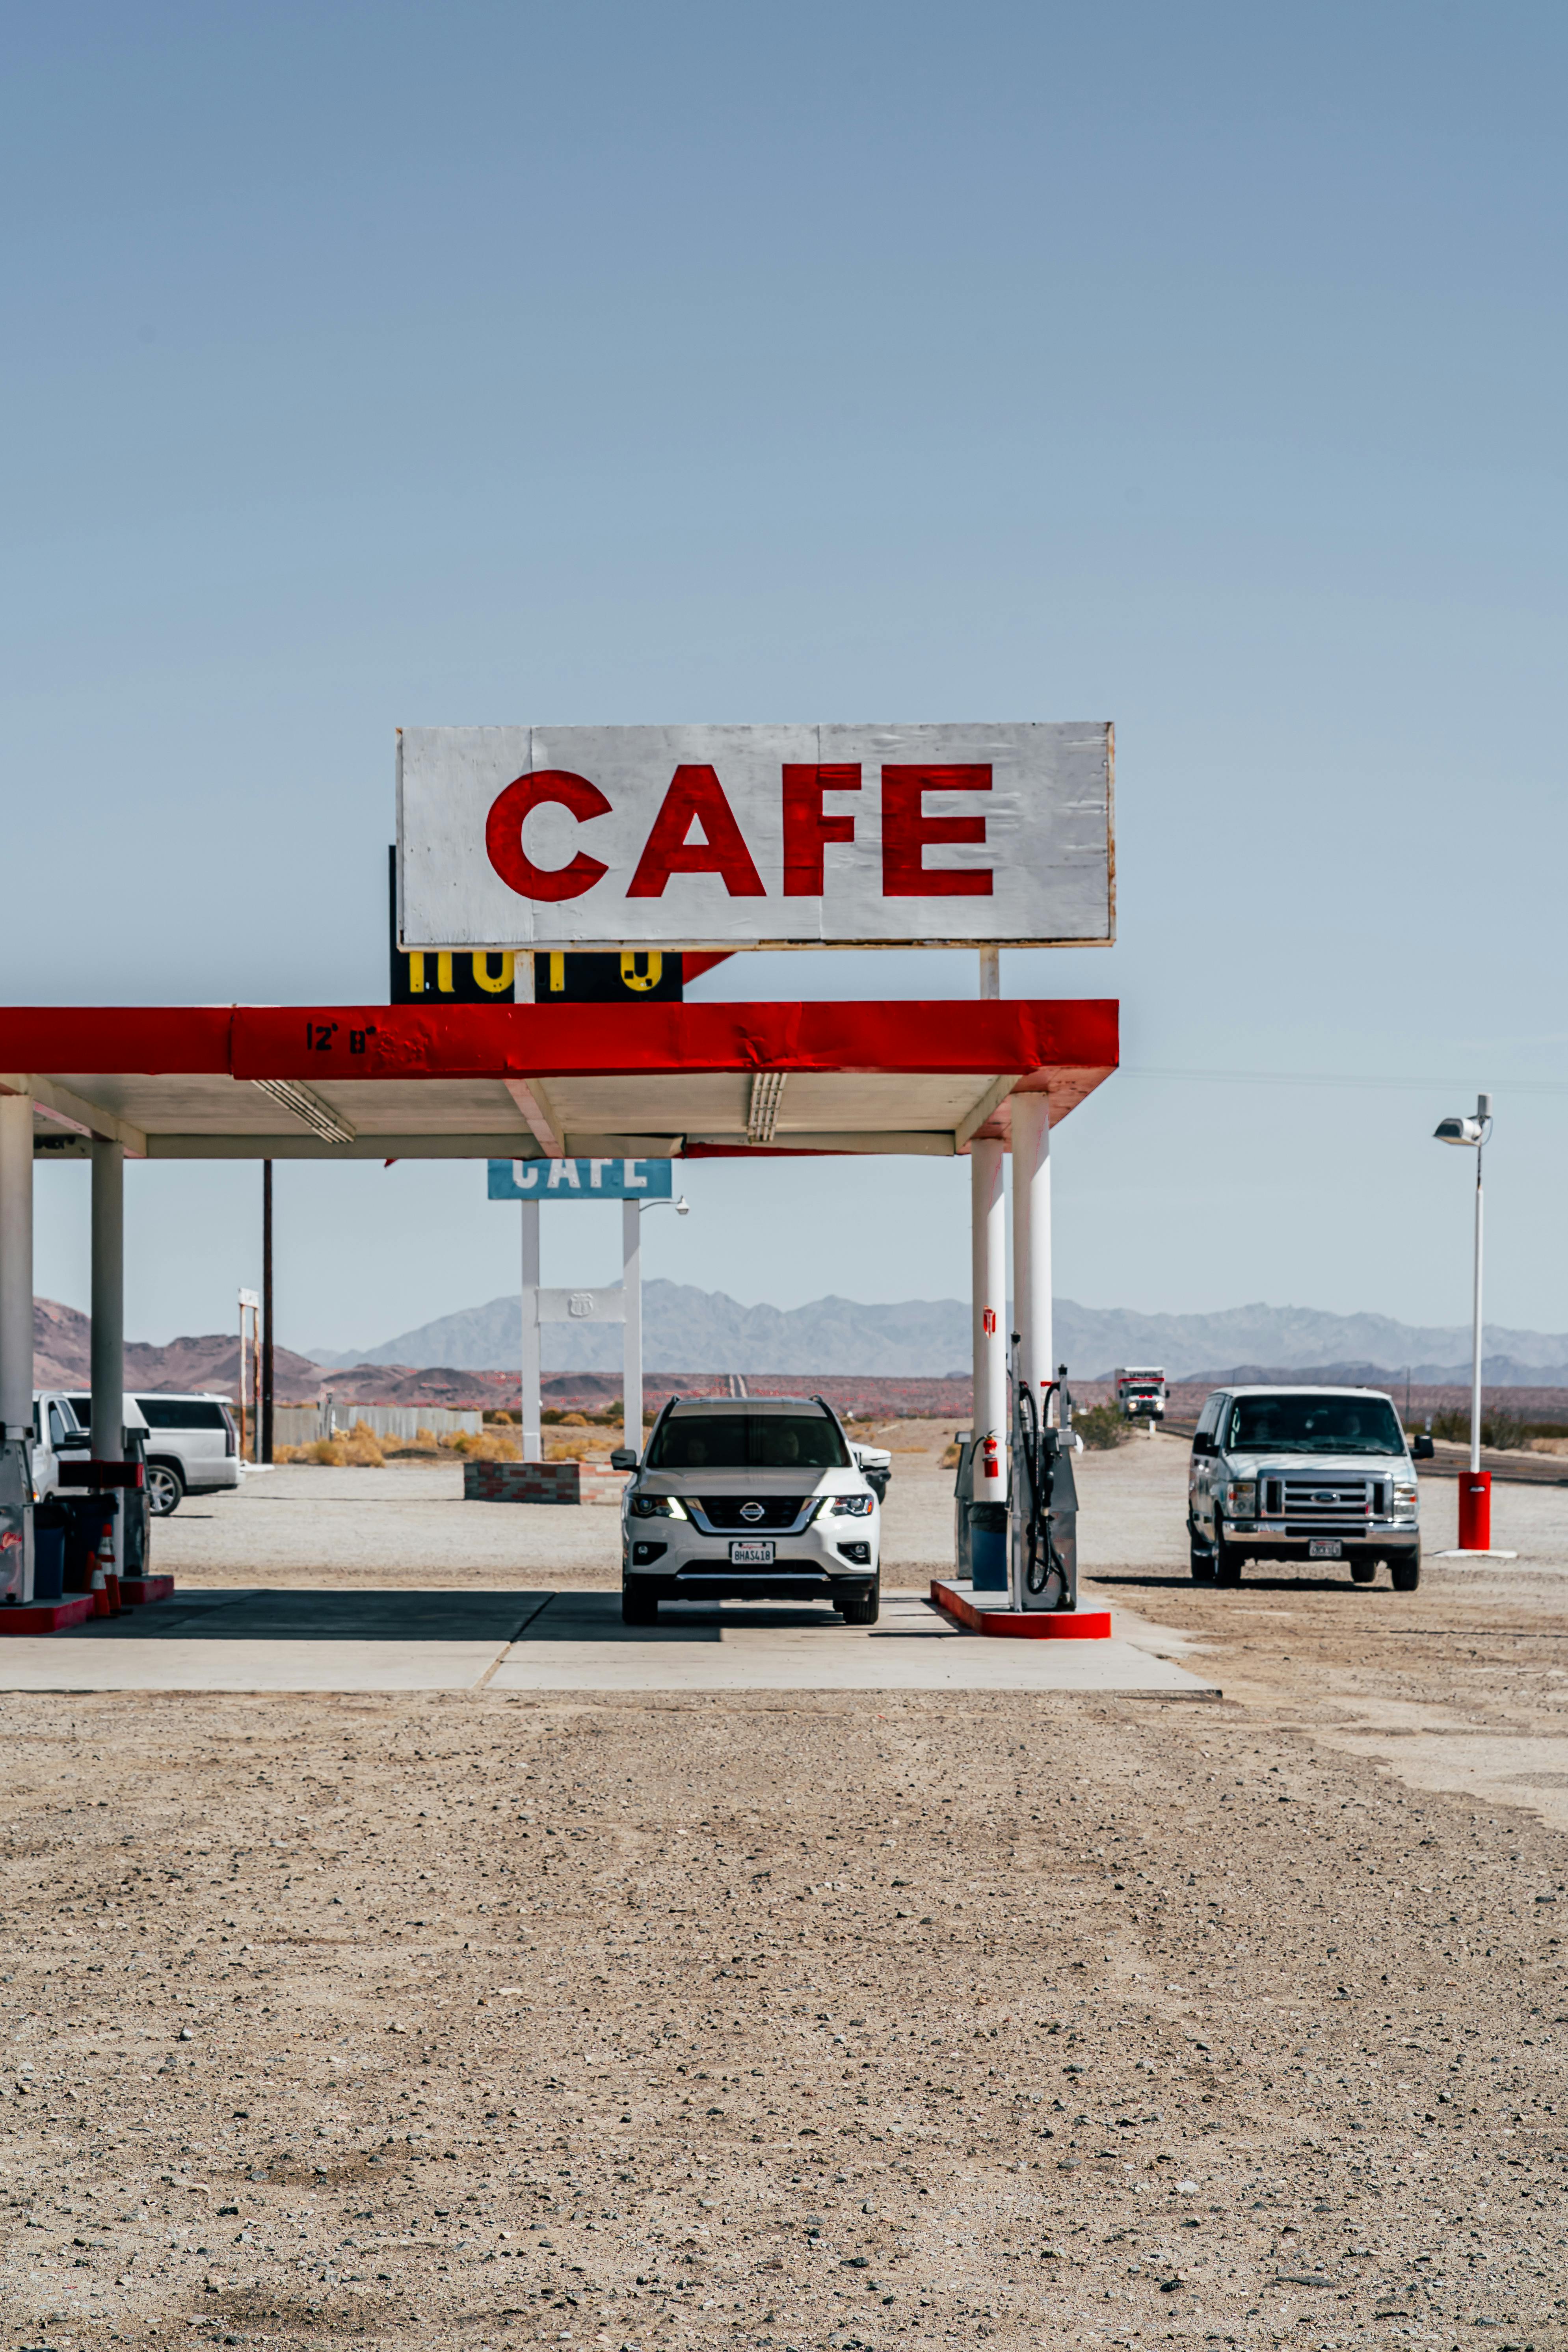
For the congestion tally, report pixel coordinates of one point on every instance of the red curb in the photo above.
(1027, 1624)
(46, 1616)
(136, 1590)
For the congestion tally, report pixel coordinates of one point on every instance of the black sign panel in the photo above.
(640, 977)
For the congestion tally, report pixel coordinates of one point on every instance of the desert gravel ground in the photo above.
(863, 2019)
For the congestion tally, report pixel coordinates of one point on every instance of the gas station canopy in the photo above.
(518, 1081)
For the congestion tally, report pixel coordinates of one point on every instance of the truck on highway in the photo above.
(1140, 1391)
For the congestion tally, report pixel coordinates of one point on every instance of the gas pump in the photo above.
(980, 1513)
(1044, 1499)
(15, 1516)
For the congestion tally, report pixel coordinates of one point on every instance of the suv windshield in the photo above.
(1312, 1424)
(748, 1440)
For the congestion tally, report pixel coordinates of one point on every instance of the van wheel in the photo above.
(1200, 1560)
(165, 1489)
(1406, 1570)
(1362, 1570)
(638, 1608)
(1226, 1559)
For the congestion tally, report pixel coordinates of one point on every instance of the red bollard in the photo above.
(1474, 1510)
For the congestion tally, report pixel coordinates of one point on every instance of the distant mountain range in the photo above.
(62, 1359)
(692, 1331)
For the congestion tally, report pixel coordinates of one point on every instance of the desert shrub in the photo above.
(1101, 1427)
(1500, 1425)
(423, 1437)
(282, 1453)
(480, 1445)
(330, 1452)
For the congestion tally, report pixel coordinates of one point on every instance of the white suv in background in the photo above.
(192, 1448)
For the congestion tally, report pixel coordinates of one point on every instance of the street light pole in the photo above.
(1476, 1329)
(1476, 1487)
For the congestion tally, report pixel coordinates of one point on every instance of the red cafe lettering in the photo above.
(695, 830)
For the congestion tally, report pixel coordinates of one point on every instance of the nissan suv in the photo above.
(1302, 1474)
(760, 1498)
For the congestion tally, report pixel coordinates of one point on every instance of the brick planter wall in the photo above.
(522, 1482)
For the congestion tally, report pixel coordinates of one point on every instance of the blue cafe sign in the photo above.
(581, 1179)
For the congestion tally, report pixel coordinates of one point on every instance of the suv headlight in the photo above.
(1241, 1498)
(656, 1506)
(856, 1506)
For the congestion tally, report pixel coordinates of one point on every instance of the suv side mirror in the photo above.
(623, 1457)
(1421, 1449)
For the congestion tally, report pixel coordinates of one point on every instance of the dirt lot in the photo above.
(808, 2020)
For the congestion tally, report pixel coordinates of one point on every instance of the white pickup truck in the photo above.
(1303, 1475)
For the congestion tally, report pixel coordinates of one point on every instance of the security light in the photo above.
(1460, 1129)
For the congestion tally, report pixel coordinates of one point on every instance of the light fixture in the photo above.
(762, 1112)
(308, 1108)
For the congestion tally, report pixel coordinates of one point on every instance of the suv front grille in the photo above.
(745, 1515)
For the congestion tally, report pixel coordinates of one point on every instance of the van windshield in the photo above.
(748, 1440)
(1313, 1425)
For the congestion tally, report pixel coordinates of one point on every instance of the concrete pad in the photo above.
(400, 1640)
(580, 1644)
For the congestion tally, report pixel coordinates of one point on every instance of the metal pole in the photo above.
(108, 1301)
(16, 1266)
(1032, 1239)
(631, 1330)
(242, 1379)
(532, 1429)
(1031, 1273)
(1476, 1334)
(990, 974)
(267, 1361)
(988, 1289)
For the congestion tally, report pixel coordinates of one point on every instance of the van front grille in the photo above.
(1327, 1501)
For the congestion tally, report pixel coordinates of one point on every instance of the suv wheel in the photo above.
(165, 1489)
(1226, 1558)
(1362, 1570)
(860, 1606)
(638, 1608)
(1405, 1569)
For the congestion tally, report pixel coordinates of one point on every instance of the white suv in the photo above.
(192, 1448)
(760, 1498)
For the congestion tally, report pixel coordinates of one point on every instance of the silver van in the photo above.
(1303, 1475)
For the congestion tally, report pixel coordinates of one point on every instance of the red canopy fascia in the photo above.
(343, 1042)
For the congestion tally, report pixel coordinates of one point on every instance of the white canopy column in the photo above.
(532, 1432)
(631, 1334)
(1031, 1263)
(988, 1289)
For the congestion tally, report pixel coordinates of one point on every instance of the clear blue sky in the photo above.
(1198, 368)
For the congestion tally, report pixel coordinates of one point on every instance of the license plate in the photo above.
(1323, 1550)
(751, 1552)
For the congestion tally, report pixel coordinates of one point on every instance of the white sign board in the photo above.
(580, 1305)
(755, 836)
